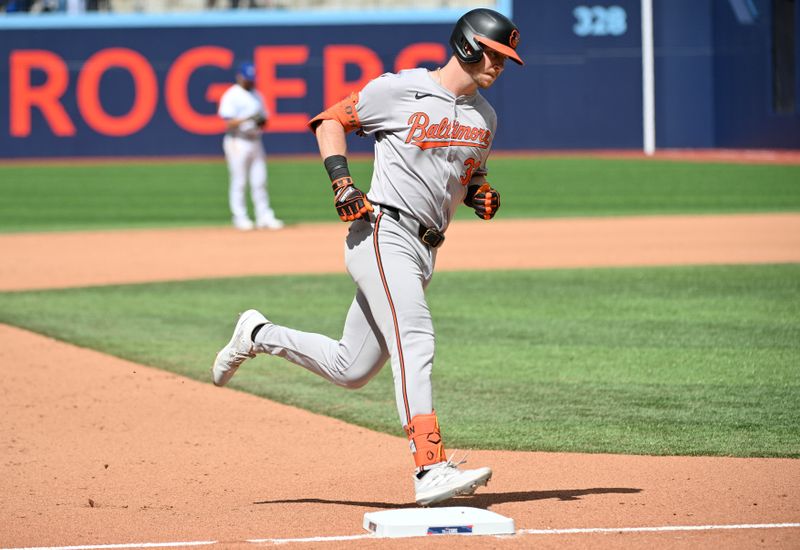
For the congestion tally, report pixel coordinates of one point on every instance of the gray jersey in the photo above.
(429, 144)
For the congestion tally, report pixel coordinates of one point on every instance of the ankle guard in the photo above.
(425, 440)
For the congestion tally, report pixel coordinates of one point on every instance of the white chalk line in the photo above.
(126, 545)
(664, 528)
(276, 541)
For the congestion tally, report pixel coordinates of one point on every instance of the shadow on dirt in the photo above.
(481, 500)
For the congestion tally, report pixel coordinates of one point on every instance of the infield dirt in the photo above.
(97, 450)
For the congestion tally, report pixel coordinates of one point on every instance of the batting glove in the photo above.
(485, 200)
(350, 202)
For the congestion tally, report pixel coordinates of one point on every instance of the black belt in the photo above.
(428, 235)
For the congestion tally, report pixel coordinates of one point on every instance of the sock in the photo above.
(255, 332)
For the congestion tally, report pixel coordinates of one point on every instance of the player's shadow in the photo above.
(482, 500)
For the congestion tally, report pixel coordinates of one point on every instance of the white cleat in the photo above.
(239, 349)
(243, 224)
(445, 480)
(270, 223)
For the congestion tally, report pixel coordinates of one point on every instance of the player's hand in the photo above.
(350, 202)
(485, 200)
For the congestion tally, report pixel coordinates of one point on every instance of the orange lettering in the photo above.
(215, 91)
(45, 97)
(177, 84)
(444, 128)
(145, 96)
(470, 164)
(266, 60)
(412, 56)
(335, 61)
(419, 122)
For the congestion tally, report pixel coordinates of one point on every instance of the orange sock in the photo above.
(425, 440)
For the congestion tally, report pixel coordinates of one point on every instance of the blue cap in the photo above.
(248, 71)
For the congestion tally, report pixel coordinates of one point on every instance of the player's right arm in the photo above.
(331, 138)
(331, 127)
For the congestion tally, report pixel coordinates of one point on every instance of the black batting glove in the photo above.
(350, 202)
(484, 199)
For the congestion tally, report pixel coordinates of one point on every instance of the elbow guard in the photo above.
(344, 112)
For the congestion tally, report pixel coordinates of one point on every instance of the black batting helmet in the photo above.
(484, 27)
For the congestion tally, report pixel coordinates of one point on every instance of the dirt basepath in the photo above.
(53, 260)
(96, 450)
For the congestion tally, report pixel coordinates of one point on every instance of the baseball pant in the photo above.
(388, 318)
(247, 161)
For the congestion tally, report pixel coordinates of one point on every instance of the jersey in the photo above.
(429, 144)
(237, 102)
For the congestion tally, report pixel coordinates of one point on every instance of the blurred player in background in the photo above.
(242, 108)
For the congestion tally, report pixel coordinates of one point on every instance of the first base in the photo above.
(419, 522)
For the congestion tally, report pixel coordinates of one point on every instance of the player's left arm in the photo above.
(261, 118)
(481, 196)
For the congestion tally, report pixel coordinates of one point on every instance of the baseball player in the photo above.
(242, 108)
(433, 132)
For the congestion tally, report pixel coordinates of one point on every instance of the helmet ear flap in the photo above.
(464, 45)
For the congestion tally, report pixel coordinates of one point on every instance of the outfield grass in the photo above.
(77, 196)
(680, 360)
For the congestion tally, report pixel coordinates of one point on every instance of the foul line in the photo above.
(655, 529)
(575, 531)
(127, 545)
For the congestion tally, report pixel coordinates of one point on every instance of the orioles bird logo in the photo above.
(513, 40)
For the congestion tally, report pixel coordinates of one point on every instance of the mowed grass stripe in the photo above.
(81, 196)
(684, 360)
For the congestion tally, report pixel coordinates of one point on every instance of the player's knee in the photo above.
(359, 382)
(354, 378)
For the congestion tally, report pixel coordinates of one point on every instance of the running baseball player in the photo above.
(433, 132)
(242, 108)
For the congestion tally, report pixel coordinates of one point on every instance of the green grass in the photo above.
(683, 360)
(64, 196)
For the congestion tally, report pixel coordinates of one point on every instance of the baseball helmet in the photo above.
(247, 71)
(484, 27)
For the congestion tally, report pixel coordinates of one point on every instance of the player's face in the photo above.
(245, 83)
(487, 71)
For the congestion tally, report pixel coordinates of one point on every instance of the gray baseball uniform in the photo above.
(429, 145)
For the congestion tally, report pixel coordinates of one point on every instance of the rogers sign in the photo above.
(48, 96)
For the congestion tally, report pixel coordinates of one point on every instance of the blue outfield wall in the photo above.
(743, 79)
(114, 85)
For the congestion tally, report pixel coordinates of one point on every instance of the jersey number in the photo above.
(471, 164)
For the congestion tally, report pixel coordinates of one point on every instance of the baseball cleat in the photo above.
(444, 480)
(239, 349)
(243, 224)
(270, 223)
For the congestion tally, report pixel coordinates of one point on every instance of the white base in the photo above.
(419, 522)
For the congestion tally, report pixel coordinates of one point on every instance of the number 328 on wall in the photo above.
(600, 21)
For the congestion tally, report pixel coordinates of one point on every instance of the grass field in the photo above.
(689, 360)
(57, 197)
(684, 360)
